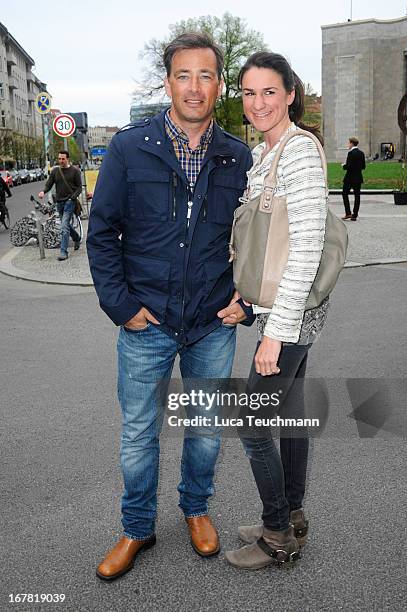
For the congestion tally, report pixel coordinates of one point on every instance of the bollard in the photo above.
(40, 237)
(84, 195)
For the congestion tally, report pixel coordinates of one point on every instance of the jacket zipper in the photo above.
(174, 196)
(190, 195)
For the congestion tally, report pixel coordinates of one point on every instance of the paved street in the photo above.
(61, 479)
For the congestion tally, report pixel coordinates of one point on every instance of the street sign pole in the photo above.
(63, 126)
(43, 138)
(43, 106)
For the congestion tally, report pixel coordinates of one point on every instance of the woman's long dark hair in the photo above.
(278, 63)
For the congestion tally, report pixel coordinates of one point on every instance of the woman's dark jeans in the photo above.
(280, 478)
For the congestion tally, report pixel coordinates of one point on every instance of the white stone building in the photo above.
(18, 88)
(364, 76)
(100, 136)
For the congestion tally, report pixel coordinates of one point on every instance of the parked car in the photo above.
(16, 177)
(25, 175)
(40, 174)
(7, 178)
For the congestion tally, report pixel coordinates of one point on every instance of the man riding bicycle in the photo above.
(4, 189)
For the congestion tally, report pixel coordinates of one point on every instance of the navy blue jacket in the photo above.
(141, 250)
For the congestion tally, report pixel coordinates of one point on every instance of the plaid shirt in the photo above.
(190, 159)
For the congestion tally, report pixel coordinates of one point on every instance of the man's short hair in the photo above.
(192, 40)
(63, 152)
(354, 141)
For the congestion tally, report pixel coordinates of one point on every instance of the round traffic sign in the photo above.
(43, 102)
(64, 125)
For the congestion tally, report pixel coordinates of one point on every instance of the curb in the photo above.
(7, 268)
(338, 191)
(379, 262)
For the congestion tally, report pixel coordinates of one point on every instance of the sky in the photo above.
(88, 51)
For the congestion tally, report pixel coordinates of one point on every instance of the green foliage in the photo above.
(237, 42)
(57, 145)
(21, 150)
(378, 175)
(401, 181)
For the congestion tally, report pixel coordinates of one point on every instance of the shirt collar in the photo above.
(176, 133)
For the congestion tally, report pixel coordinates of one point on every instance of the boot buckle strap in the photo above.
(280, 555)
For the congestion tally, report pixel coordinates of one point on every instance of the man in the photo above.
(4, 190)
(353, 179)
(68, 187)
(168, 187)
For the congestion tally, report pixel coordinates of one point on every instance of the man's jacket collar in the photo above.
(219, 145)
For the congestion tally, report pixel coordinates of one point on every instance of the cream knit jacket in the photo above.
(300, 178)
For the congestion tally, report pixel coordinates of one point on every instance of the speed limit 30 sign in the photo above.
(64, 125)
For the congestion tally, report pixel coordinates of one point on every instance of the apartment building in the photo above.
(19, 88)
(100, 136)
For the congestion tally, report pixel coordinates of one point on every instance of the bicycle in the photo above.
(76, 221)
(26, 228)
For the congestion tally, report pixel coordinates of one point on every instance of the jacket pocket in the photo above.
(148, 193)
(218, 287)
(226, 193)
(148, 280)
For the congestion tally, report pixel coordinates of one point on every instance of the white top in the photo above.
(300, 178)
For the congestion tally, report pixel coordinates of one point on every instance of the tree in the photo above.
(237, 42)
(5, 147)
(312, 104)
(57, 144)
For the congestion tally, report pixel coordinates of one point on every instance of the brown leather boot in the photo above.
(120, 559)
(204, 537)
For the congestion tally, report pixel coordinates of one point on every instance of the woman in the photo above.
(273, 102)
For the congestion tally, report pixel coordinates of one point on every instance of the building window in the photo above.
(3, 118)
(1, 91)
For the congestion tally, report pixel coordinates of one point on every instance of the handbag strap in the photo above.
(65, 181)
(270, 181)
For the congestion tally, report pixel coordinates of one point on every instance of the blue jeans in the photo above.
(145, 358)
(280, 478)
(65, 211)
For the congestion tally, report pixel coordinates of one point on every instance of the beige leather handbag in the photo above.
(259, 243)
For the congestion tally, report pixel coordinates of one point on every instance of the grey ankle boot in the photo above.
(300, 524)
(273, 547)
(251, 533)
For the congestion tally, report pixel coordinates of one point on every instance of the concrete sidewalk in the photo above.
(378, 237)
(25, 263)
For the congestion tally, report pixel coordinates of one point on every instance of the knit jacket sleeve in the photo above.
(303, 181)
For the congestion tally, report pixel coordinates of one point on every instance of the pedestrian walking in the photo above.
(353, 179)
(68, 187)
(158, 238)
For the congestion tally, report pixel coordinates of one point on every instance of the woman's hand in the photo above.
(267, 356)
